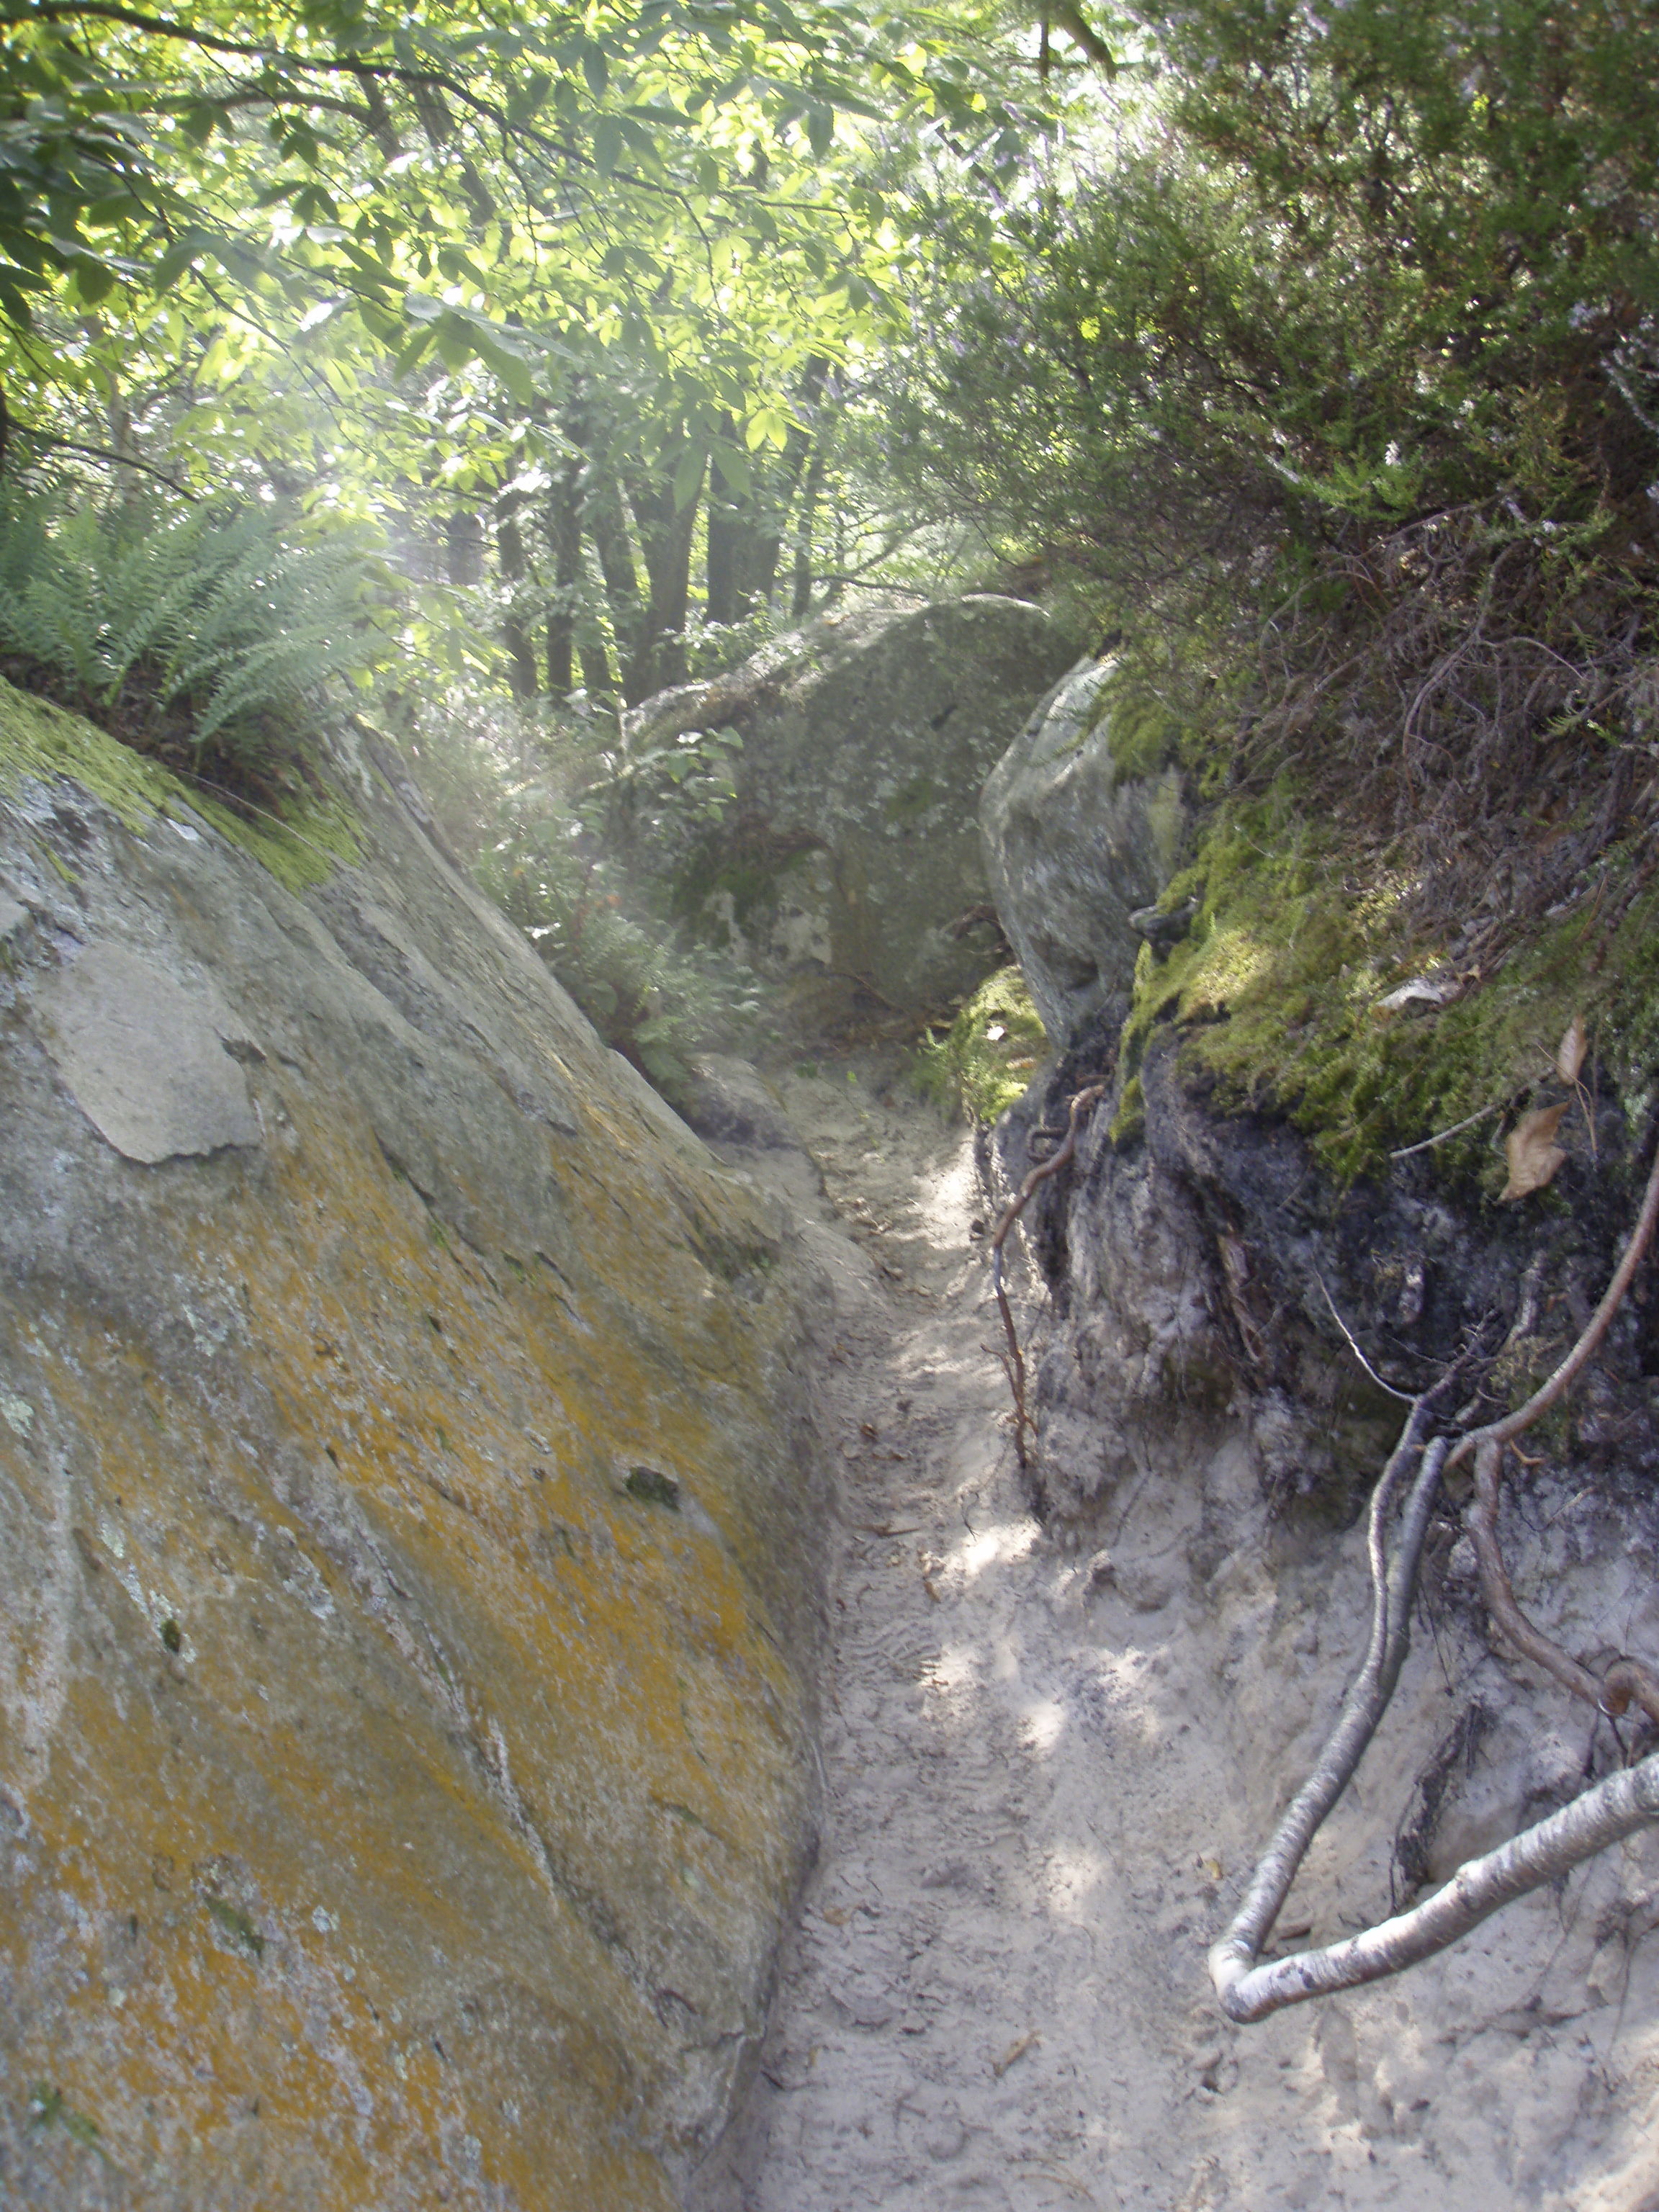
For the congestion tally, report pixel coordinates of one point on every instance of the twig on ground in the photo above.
(1015, 1361)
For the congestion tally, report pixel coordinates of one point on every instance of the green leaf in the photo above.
(820, 128)
(416, 352)
(607, 143)
(688, 477)
(766, 426)
(596, 68)
(184, 249)
(734, 467)
(93, 280)
(528, 97)
(512, 369)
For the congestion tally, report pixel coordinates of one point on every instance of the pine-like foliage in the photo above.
(205, 632)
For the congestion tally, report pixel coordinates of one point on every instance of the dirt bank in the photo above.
(1046, 1774)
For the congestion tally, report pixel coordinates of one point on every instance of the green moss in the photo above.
(42, 741)
(313, 837)
(1278, 989)
(1142, 734)
(989, 1055)
(908, 804)
(237, 1925)
(49, 2108)
(1131, 1116)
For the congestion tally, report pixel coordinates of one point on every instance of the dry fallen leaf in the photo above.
(1569, 1052)
(1532, 1152)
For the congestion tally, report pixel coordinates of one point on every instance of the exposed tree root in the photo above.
(1607, 1814)
(1604, 1815)
(1014, 1361)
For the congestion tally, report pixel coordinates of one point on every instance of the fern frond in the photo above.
(227, 619)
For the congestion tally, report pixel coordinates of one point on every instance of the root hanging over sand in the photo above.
(1248, 1988)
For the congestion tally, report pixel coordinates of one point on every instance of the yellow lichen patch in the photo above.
(507, 1731)
(407, 1771)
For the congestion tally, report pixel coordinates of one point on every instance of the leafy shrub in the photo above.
(650, 1001)
(990, 1054)
(210, 634)
(537, 847)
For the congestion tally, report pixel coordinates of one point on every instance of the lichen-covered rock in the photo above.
(1074, 843)
(406, 1591)
(866, 738)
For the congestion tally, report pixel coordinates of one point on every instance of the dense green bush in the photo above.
(1336, 372)
(205, 635)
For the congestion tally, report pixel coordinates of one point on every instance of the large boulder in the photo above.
(406, 1541)
(866, 737)
(1078, 836)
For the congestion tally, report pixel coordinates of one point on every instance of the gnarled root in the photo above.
(1604, 1815)
(1015, 1361)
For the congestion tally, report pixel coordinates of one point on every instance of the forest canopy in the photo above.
(1280, 341)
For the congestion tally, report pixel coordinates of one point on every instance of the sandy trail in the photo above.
(1042, 1798)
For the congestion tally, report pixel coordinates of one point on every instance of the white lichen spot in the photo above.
(17, 1413)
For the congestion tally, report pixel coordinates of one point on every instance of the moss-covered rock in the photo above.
(314, 835)
(1300, 987)
(989, 1055)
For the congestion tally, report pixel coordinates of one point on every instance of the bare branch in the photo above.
(1232, 1960)
(1603, 1816)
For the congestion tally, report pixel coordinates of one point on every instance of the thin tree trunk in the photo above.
(804, 436)
(521, 658)
(464, 550)
(607, 526)
(800, 605)
(666, 534)
(565, 529)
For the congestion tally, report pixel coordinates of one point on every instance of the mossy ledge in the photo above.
(41, 741)
(1299, 941)
(988, 1057)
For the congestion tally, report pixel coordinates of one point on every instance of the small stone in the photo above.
(945, 2138)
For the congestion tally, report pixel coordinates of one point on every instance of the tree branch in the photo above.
(1605, 1815)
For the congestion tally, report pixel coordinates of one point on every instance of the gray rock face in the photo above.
(408, 1523)
(149, 1063)
(867, 739)
(1196, 1274)
(1072, 849)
